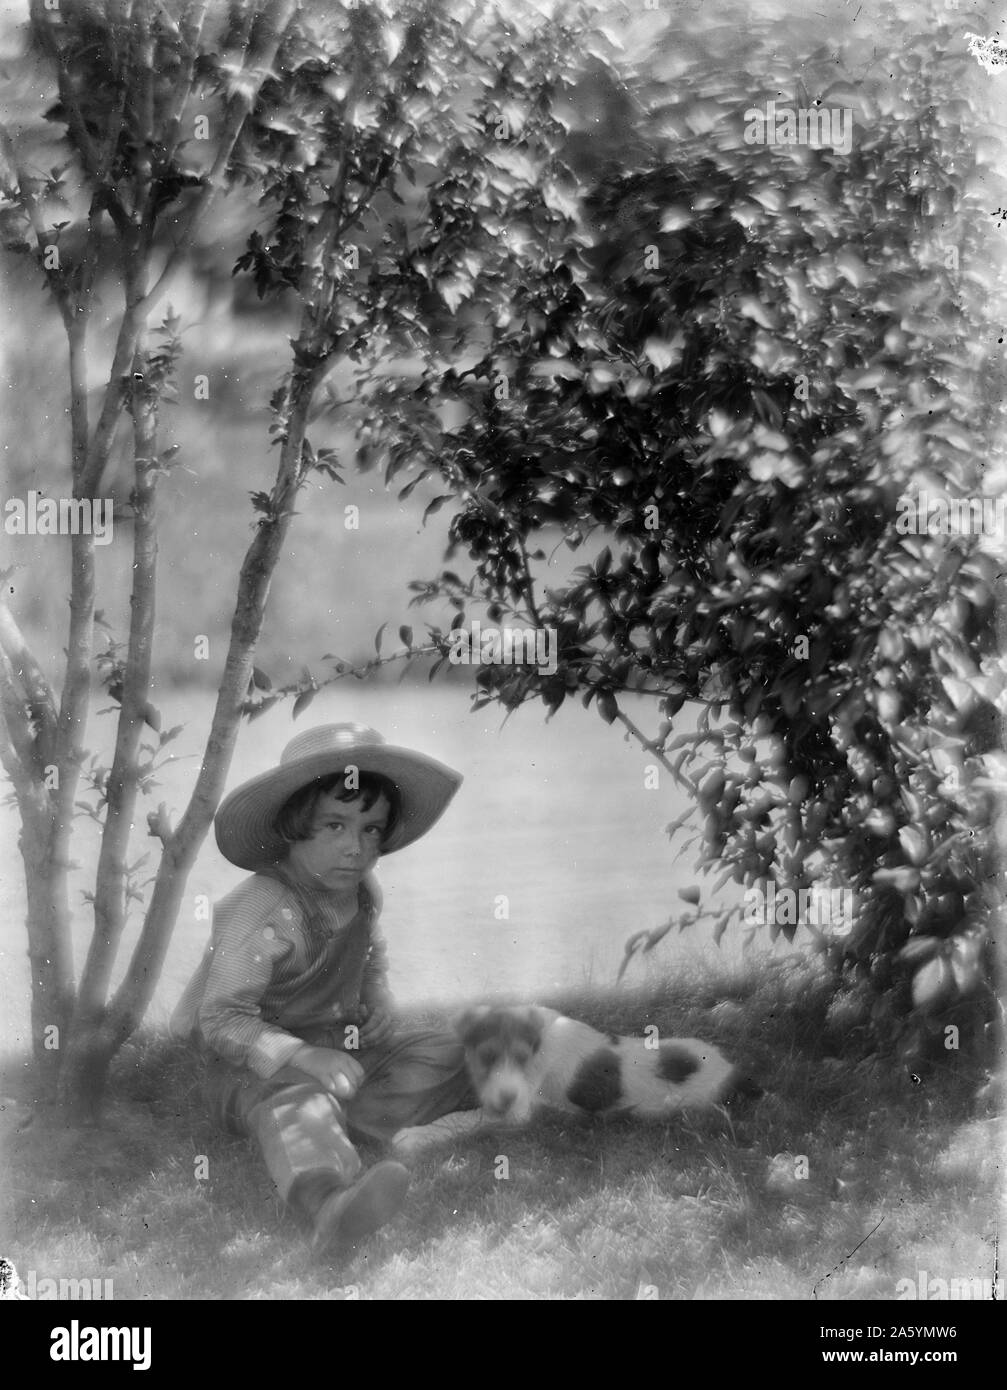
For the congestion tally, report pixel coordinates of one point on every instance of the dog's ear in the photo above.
(466, 1021)
(538, 1019)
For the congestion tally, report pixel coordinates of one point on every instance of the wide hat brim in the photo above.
(244, 823)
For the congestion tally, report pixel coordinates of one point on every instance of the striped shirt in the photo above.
(281, 963)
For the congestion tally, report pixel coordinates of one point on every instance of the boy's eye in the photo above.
(341, 825)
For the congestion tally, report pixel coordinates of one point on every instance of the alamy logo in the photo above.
(924, 515)
(930, 1286)
(509, 646)
(817, 126)
(43, 1288)
(830, 909)
(76, 1343)
(62, 516)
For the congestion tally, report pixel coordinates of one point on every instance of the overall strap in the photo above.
(357, 946)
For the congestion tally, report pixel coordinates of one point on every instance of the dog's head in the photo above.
(500, 1048)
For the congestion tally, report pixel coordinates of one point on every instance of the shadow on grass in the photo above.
(765, 1202)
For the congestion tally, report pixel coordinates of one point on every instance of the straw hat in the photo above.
(244, 823)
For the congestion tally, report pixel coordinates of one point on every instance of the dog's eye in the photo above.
(487, 1054)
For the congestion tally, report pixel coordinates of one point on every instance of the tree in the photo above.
(342, 120)
(126, 81)
(729, 392)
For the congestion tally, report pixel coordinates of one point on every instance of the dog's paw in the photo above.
(443, 1131)
(411, 1141)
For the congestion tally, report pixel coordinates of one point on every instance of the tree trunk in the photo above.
(84, 1073)
(41, 749)
(51, 985)
(121, 792)
(27, 733)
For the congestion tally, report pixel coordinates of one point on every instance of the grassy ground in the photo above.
(903, 1176)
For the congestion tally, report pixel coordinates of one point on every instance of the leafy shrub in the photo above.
(721, 389)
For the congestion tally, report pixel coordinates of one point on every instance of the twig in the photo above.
(38, 691)
(258, 60)
(648, 746)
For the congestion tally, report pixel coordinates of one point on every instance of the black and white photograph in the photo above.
(502, 662)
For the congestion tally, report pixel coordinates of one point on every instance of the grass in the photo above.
(903, 1173)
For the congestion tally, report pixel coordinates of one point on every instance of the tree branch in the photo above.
(54, 931)
(259, 60)
(190, 31)
(121, 790)
(134, 994)
(111, 408)
(37, 691)
(49, 953)
(95, 164)
(649, 747)
(18, 751)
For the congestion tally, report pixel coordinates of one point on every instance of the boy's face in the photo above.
(345, 841)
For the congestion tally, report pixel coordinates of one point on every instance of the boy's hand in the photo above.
(378, 1024)
(338, 1072)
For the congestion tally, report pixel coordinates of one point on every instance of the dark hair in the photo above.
(293, 821)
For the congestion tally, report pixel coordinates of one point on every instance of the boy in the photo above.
(291, 998)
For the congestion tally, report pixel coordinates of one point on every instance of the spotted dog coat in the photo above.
(524, 1059)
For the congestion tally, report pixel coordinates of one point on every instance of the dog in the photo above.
(524, 1059)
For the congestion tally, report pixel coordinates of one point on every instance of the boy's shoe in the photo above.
(347, 1217)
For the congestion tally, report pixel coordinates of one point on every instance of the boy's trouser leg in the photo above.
(299, 1126)
(412, 1079)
